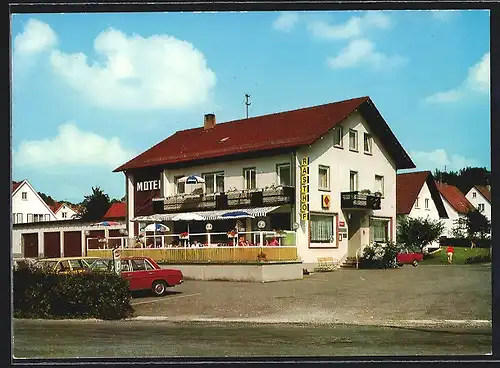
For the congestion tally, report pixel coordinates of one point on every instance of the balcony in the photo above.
(222, 201)
(359, 201)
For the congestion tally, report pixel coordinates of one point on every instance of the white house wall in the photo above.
(341, 162)
(69, 213)
(452, 216)
(421, 211)
(32, 204)
(479, 199)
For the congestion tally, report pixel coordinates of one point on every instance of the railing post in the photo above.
(261, 238)
(163, 241)
(209, 240)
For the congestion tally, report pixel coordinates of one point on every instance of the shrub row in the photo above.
(39, 294)
(478, 259)
(379, 256)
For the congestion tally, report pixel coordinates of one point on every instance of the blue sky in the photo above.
(90, 91)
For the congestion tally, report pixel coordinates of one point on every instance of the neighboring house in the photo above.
(480, 197)
(419, 197)
(63, 211)
(456, 205)
(116, 212)
(300, 169)
(27, 205)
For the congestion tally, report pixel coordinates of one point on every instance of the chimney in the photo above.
(209, 122)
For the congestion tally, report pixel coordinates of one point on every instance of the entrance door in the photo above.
(353, 234)
(30, 242)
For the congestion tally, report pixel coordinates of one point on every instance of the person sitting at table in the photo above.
(274, 242)
(242, 242)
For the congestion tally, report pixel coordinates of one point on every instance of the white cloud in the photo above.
(36, 37)
(356, 26)
(158, 72)
(438, 159)
(71, 147)
(285, 21)
(362, 52)
(477, 81)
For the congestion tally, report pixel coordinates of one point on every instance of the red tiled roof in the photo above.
(275, 131)
(455, 198)
(484, 191)
(56, 206)
(408, 186)
(15, 185)
(117, 210)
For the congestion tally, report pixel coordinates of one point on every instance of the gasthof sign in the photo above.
(304, 188)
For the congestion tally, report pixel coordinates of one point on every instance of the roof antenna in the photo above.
(247, 97)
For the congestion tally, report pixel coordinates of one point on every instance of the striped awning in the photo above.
(208, 215)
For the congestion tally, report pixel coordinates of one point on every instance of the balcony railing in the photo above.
(227, 200)
(357, 200)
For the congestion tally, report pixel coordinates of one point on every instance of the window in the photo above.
(379, 231)
(480, 207)
(473, 194)
(47, 217)
(64, 214)
(30, 217)
(249, 176)
(368, 143)
(214, 182)
(180, 188)
(19, 218)
(337, 137)
(322, 229)
(427, 203)
(324, 177)
(379, 184)
(353, 140)
(416, 203)
(284, 174)
(148, 265)
(24, 195)
(38, 218)
(353, 181)
(138, 265)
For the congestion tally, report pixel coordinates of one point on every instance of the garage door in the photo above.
(72, 244)
(52, 244)
(30, 242)
(93, 243)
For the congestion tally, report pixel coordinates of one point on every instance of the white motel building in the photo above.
(328, 172)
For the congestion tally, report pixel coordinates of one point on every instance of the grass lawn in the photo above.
(459, 258)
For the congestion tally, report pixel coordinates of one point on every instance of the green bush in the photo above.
(478, 259)
(379, 256)
(39, 294)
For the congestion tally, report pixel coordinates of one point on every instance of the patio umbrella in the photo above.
(192, 179)
(188, 217)
(157, 227)
(236, 215)
(106, 223)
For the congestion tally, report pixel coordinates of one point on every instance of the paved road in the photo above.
(345, 296)
(43, 339)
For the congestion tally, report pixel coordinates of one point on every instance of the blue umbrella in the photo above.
(237, 214)
(192, 179)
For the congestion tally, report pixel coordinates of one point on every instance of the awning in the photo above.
(208, 215)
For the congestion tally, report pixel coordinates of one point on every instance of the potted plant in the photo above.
(232, 234)
(365, 192)
(377, 194)
(184, 235)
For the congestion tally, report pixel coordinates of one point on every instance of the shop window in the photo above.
(322, 229)
(379, 231)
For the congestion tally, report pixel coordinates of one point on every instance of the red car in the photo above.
(143, 274)
(409, 258)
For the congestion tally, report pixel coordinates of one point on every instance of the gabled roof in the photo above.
(284, 130)
(15, 189)
(485, 192)
(116, 210)
(455, 198)
(15, 185)
(409, 185)
(57, 206)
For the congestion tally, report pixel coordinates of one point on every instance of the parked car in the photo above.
(64, 265)
(409, 258)
(143, 273)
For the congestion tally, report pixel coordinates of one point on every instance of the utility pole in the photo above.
(247, 97)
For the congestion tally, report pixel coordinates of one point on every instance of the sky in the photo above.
(91, 91)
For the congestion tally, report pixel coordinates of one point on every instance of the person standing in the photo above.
(449, 252)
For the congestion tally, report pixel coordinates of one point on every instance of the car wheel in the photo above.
(159, 288)
(414, 263)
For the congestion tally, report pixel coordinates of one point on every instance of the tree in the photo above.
(47, 199)
(94, 206)
(478, 225)
(465, 178)
(415, 233)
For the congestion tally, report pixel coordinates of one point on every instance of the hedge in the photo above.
(464, 243)
(39, 294)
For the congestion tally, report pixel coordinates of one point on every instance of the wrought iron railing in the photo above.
(358, 200)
